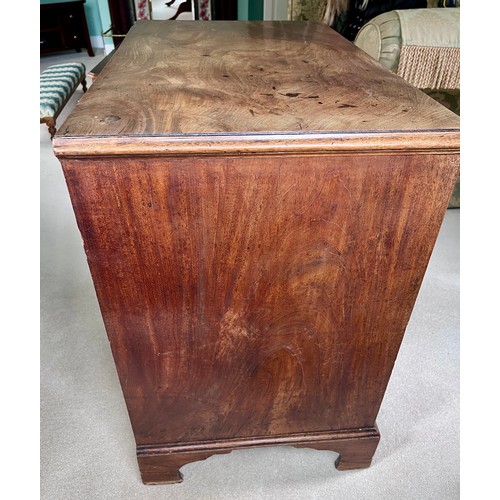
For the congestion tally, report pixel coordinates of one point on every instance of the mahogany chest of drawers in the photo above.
(258, 203)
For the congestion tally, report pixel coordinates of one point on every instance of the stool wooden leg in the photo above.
(51, 123)
(84, 85)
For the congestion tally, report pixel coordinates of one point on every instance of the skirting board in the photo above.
(97, 42)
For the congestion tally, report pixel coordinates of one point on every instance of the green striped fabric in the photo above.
(56, 84)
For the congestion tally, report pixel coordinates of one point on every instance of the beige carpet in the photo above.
(87, 446)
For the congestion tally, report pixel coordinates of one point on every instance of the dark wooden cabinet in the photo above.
(258, 203)
(225, 10)
(63, 26)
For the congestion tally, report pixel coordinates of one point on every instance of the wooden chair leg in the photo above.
(84, 85)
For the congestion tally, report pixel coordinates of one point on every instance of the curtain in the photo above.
(306, 10)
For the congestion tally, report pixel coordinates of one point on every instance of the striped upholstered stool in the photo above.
(57, 85)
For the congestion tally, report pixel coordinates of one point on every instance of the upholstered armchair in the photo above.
(420, 45)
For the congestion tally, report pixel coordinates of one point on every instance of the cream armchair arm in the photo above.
(420, 45)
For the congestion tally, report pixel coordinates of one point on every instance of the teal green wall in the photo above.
(105, 20)
(93, 17)
(243, 10)
(256, 10)
(252, 10)
(104, 14)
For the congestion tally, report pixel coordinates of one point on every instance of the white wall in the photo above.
(276, 10)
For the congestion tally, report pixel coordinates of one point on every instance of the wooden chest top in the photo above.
(210, 84)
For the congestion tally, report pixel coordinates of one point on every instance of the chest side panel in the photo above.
(260, 295)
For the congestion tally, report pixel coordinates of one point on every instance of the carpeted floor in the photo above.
(87, 446)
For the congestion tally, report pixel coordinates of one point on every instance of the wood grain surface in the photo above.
(219, 77)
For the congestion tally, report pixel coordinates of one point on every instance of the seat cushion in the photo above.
(57, 83)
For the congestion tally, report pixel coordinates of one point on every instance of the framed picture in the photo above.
(174, 9)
